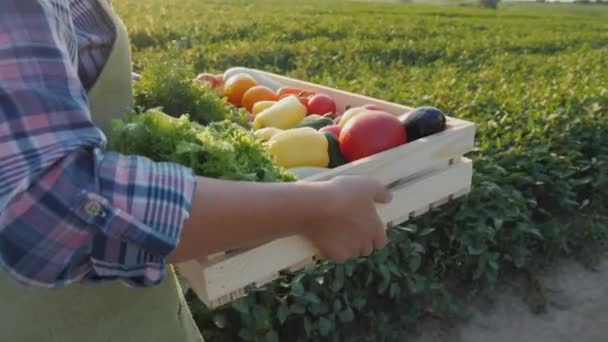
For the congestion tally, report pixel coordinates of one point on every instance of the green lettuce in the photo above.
(220, 149)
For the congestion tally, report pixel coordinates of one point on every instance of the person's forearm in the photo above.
(228, 215)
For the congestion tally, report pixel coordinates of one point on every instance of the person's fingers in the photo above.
(320, 255)
(341, 257)
(380, 239)
(383, 195)
(367, 248)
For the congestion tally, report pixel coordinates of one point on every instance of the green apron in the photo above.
(105, 312)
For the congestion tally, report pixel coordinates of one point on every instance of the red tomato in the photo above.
(369, 133)
(333, 129)
(321, 104)
(213, 80)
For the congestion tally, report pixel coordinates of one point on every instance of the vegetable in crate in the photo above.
(256, 94)
(260, 78)
(286, 113)
(321, 104)
(422, 122)
(286, 91)
(236, 86)
(333, 149)
(299, 147)
(311, 117)
(264, 134)
(369, 133)
(316, 123)
(213, 80)
(260, 106)
(334, 129)
(169, 85)
(219, 150)
(302, 94)
(349, 114)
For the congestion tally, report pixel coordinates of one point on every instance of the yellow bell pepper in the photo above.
(259, 106)
(349, 114)
(299, 147)
(286, 113)
(266, 133)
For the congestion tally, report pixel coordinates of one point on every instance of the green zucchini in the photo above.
(333, 148)
(317, 124)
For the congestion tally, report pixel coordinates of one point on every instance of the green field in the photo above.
(534, 78)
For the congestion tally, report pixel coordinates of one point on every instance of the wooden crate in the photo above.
(421, 175)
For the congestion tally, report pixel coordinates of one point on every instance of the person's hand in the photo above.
(351, 226)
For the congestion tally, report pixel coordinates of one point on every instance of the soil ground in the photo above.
(576, 309)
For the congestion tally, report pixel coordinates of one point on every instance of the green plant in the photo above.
(489, 3)
(220, 149)
(540, 103)
(169, 84)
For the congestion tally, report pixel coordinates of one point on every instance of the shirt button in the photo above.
(93, 208)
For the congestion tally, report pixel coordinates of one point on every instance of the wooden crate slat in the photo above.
(341, 98)
(241, 270)
(344, 98)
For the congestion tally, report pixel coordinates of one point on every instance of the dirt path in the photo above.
(577, 311)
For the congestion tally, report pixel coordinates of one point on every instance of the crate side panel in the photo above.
(409, 159)
(246, 268)
(431, 190)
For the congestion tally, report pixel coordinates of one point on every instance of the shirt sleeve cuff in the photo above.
(140, 201)
(138, 212)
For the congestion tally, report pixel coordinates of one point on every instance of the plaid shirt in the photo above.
(70, 210)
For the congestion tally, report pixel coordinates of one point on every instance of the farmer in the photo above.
(86, 233)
